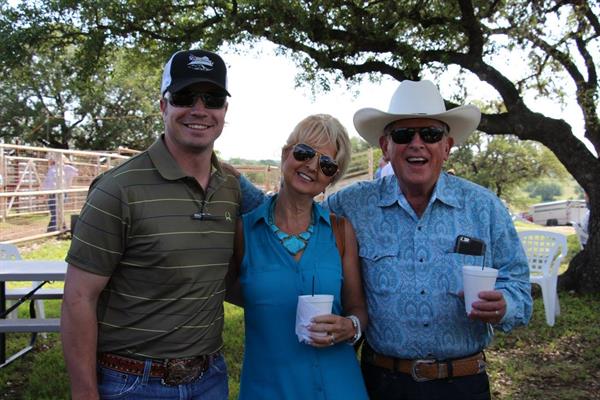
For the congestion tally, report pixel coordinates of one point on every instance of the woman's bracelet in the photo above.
(357, 331)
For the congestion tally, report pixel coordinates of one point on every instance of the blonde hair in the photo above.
(321, 130)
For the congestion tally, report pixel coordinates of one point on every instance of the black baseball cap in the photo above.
(187, 67)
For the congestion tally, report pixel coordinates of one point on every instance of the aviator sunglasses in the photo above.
(186, 98)
(430, 134)
(303, 152)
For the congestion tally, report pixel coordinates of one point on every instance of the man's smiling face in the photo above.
(417, 164)
(193, 129)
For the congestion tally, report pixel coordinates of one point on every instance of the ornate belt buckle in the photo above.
(182, 371)
(414, 370)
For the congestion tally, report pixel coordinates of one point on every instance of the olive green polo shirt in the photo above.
(166, 245)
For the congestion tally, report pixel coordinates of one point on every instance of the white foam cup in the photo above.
(475, 280)
(310, 306)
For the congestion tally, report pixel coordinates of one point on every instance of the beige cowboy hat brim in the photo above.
(417, 99)
(370, 122)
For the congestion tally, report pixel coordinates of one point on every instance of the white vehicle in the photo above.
(562, 212)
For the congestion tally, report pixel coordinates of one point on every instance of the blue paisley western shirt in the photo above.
(412, 276)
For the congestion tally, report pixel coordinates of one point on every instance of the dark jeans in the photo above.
(52, 209)
(52, 225)
(383, 384)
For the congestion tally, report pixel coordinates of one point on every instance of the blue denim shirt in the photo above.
(412, 277)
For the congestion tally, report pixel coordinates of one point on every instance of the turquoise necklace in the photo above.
(292, 243)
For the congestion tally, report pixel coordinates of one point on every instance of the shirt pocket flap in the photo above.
(377, 253)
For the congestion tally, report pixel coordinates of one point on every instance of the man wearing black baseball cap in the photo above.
(143, 304)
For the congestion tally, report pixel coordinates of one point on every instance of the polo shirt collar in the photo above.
(168, 168)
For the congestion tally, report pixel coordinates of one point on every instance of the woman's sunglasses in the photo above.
(429, 134)
(303, 152)
(186, 98)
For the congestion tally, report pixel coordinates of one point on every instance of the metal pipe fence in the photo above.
(40, 188)
(30, 210)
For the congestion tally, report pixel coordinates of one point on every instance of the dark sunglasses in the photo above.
(429, 134)
(303, 152)
(188, 99)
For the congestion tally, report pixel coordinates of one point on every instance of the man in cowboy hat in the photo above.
(420, 343)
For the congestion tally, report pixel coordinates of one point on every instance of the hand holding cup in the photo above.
(482, 302)
(310, 306)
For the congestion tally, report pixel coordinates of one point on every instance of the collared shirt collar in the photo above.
(444, 191)
(168, 167)
(262, 212)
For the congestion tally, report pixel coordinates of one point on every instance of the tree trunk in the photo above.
(583, 274)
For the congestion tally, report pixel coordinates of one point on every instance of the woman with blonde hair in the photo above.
(286, 248)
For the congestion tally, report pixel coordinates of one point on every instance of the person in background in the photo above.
(287, 248)
(583, 228)
(384, 168)
(142, 314)
(52, 181)
(420, 343)
(382, 163)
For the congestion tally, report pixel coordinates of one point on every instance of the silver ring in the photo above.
(497, 312)
(332, 339)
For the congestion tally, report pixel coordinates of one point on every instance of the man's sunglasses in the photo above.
(188, 99)
(303, 152)
(431, 134)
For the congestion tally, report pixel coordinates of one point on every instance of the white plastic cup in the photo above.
(310, 306)
(475, 280)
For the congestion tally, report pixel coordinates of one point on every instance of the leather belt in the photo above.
(427, 369)
(173, 372)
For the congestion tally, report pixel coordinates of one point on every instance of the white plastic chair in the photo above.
(11, 252)
(544, 251)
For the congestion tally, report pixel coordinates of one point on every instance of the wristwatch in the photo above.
(357, 331)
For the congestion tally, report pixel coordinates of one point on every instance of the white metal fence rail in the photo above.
(24, 202)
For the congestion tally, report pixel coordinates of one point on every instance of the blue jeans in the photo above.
(212, 385)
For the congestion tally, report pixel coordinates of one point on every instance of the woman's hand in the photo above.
(328, 330)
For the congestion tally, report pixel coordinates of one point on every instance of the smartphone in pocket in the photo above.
(469, 246)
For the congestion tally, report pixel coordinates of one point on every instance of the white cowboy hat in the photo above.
(419, 99)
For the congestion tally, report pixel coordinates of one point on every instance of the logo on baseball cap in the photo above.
(187, 67)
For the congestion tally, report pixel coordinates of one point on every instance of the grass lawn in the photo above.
(536, 362)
